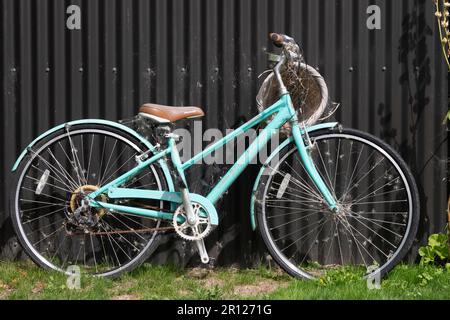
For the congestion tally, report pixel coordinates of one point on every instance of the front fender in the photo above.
(317, 127)
(106, 123)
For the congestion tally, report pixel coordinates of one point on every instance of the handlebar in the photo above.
(276, 70)
(290, 51)
(280, 40)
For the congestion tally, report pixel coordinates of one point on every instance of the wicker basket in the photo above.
(308, 91)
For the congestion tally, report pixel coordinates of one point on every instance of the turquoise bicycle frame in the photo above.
(283, 111)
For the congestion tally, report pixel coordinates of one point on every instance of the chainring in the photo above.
(199, 230)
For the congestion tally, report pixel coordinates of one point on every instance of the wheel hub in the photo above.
(343, 209)
(81, 213)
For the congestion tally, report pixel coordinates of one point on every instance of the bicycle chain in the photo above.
(145, 230)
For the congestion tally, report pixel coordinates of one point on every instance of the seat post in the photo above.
(184, 191)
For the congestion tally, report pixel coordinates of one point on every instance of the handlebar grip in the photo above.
(277, 39)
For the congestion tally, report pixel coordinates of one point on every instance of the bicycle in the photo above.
(97, 194)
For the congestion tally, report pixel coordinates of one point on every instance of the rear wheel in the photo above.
(47, 211)
(377, 199)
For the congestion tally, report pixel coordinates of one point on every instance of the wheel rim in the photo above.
(374, 236)
(81, 160)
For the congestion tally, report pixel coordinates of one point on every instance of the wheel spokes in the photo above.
(64, 167)
(373, 203)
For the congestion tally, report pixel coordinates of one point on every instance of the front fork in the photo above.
(192, 218)
(310, 166)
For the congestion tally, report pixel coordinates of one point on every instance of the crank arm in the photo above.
(202, 251)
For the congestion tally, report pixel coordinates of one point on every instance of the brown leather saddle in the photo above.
(167, 114)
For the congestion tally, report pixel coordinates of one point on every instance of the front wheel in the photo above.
(378, 206)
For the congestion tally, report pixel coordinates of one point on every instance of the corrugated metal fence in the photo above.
(391, 82)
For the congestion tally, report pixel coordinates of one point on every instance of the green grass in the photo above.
(23, 280)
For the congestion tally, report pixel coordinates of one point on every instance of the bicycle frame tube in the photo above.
(280, 104)
(284, 112)
(283, 115)
(130, 174)
(309, 165)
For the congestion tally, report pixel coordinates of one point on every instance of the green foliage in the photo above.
(55, 284)
(213, 293)
(342, 275)
(436, 252)
(429, 275)
(446, 118)
(26, 281)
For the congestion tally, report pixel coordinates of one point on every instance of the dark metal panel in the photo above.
(92, 44)
(9, 95)
(391, 82)
(57, 63)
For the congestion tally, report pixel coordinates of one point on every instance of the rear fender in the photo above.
(116, 125)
